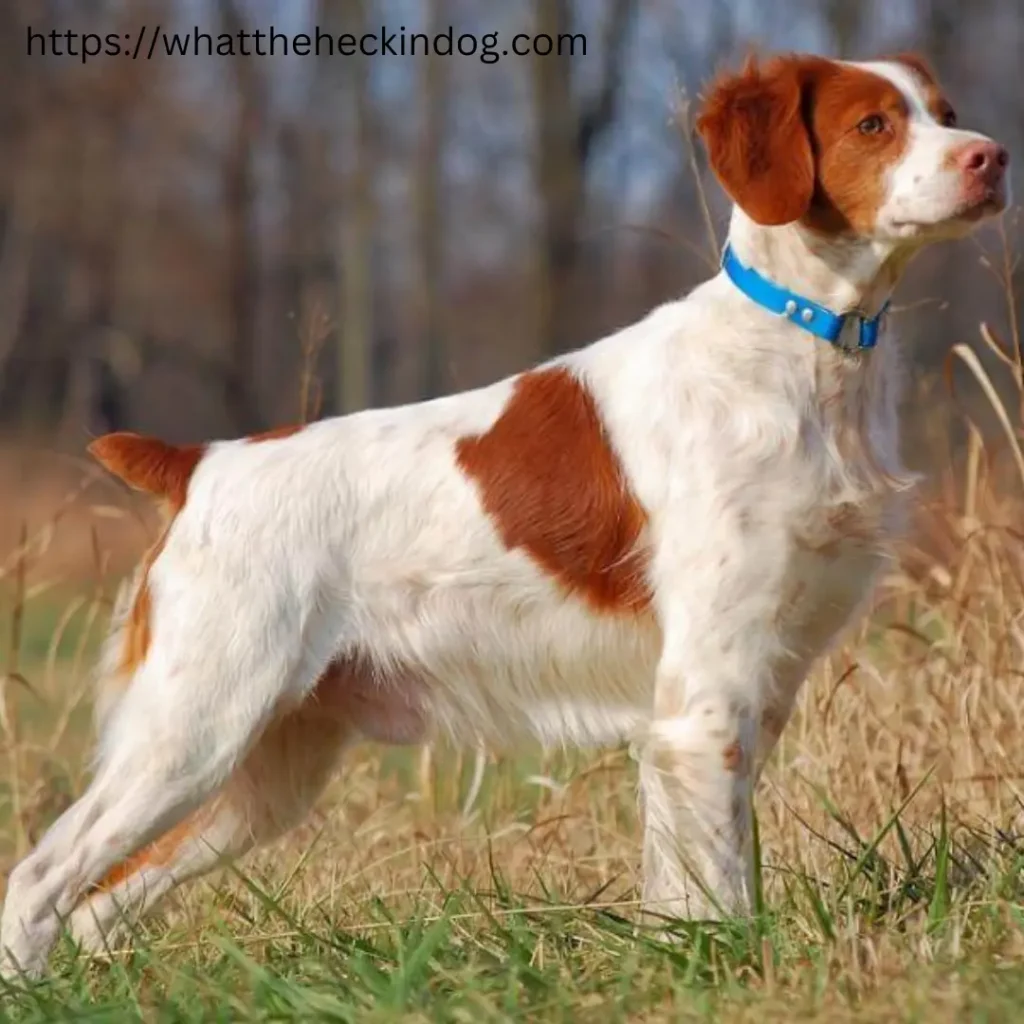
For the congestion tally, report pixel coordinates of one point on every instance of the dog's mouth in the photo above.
(991, 204)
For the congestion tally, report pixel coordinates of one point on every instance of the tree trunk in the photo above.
(355, 225)
(243, 238)
(567, 131)
(430, 215)
(558, 177)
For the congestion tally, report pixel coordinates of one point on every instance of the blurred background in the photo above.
(206, 246)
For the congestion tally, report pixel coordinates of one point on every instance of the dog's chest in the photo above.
(840, 541)
(831, 572)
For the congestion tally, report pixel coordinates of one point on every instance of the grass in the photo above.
(889, 821)
(890, 829)
(386, 909)
(492, 956)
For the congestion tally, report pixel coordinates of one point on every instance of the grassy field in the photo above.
(890, 827)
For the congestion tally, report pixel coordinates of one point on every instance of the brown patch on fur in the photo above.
(149, 464)
(554, 488)
(274, 433)
(137, 633)
(784, 141)
(161, 469)
(851, 165)
(157, 853)
(733, 758)
(849, 520)
(845, 523)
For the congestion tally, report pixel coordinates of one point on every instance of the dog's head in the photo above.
(872, 150)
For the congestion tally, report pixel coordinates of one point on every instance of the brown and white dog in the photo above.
(649, 539)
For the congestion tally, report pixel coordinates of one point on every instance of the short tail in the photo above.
(149, 464)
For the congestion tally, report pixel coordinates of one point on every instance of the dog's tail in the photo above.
(149, 464)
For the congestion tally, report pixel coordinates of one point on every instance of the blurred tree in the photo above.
(430, 214)
(845, 22)
(240, 199)
(568, 129)
(147, 207)
(354, 216)
(18, 95)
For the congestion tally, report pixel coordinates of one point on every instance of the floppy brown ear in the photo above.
(753, 128)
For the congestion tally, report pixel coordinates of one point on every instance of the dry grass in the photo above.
(890, 826)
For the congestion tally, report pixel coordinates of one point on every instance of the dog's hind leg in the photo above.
(266, 796)
(209, 686)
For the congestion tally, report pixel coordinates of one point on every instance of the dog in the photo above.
(649, 539)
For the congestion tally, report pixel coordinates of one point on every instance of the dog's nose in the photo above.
(985, 161)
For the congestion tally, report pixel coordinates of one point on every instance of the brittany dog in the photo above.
(650, 539)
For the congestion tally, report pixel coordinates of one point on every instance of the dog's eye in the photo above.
(948, 118)
(872, 125)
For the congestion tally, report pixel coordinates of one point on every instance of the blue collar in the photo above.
(805, 313)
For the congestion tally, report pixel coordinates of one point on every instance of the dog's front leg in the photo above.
(697, 756)
(695, 777)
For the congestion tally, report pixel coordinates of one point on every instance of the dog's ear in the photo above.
(148, 464)
(753, 128)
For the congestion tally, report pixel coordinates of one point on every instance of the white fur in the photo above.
(752, 446)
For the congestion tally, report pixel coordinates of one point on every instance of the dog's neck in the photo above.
(857, 390)
(842, 273)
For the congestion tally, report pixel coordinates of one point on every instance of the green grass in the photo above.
(929, 931)
(57, 628)
(493, 957)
